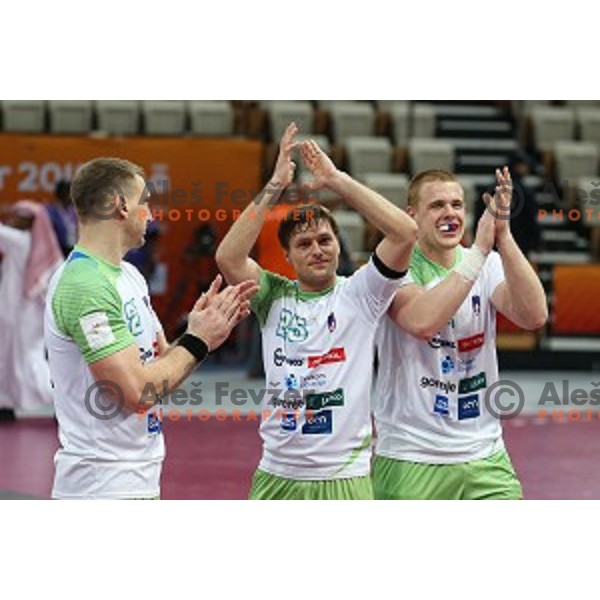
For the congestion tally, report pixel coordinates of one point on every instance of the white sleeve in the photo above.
(371, 292)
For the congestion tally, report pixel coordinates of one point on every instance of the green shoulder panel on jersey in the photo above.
(272, 287)
(423, 271)
(87, 307)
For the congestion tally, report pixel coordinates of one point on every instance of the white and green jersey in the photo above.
(94, 309)
(429, 397)
(318, 351)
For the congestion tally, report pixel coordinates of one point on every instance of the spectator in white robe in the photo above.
(30, 255)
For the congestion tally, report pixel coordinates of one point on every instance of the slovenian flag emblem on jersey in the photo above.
(331, 322)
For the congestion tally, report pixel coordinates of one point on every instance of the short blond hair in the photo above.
(427, 176)
(99, 180)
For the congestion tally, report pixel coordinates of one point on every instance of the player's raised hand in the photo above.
(236, 302)
(216, 314)
(499, 204)
(319, 164)
(285, 167)
(212, 291)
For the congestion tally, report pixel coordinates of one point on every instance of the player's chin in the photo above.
(323, 271)
(450, 239)
(321, 277)
(140, 241)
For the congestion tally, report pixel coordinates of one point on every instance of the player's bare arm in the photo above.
(424, 312)
(233, 253)
(211, 321)
(521, 296)
(399, 230)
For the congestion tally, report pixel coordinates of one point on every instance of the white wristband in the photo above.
(471, 264)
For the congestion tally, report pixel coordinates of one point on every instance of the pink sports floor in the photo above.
(216, 460)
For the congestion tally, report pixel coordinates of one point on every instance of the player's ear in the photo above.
(121, 206)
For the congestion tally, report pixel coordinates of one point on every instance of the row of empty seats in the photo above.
(553, 124)
(573, 159)
(353, 118)
(122, 117)
(413, 127)
(118, 117)
(373, 154)
(420, 119)
(353, 124)
(364, 154)
(347, 118)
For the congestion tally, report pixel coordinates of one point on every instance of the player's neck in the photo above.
(445, 257)
(103, 246)
(314, 287)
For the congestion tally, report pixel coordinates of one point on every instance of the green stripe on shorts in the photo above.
(491, 478)
(271, 487)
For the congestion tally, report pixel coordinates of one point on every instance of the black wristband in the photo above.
(194, 345)
(385, 270)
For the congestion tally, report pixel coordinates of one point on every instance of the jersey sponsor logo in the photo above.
(147, 354)
(97, 330)
(313, 380)
(464, 366)
(288, 421)
(279, 358)
(291, 327)
(471, 343)
(291, 382)
(292, 401)
(331, 323)
(132, 317)
(472, 384)
(441, 405)
(318, 423)
(335, 355)
(444, 386)
(447, 365)
(437, 342)
(319, 401)
(476, 305)
(468, 407)
(155, 424)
